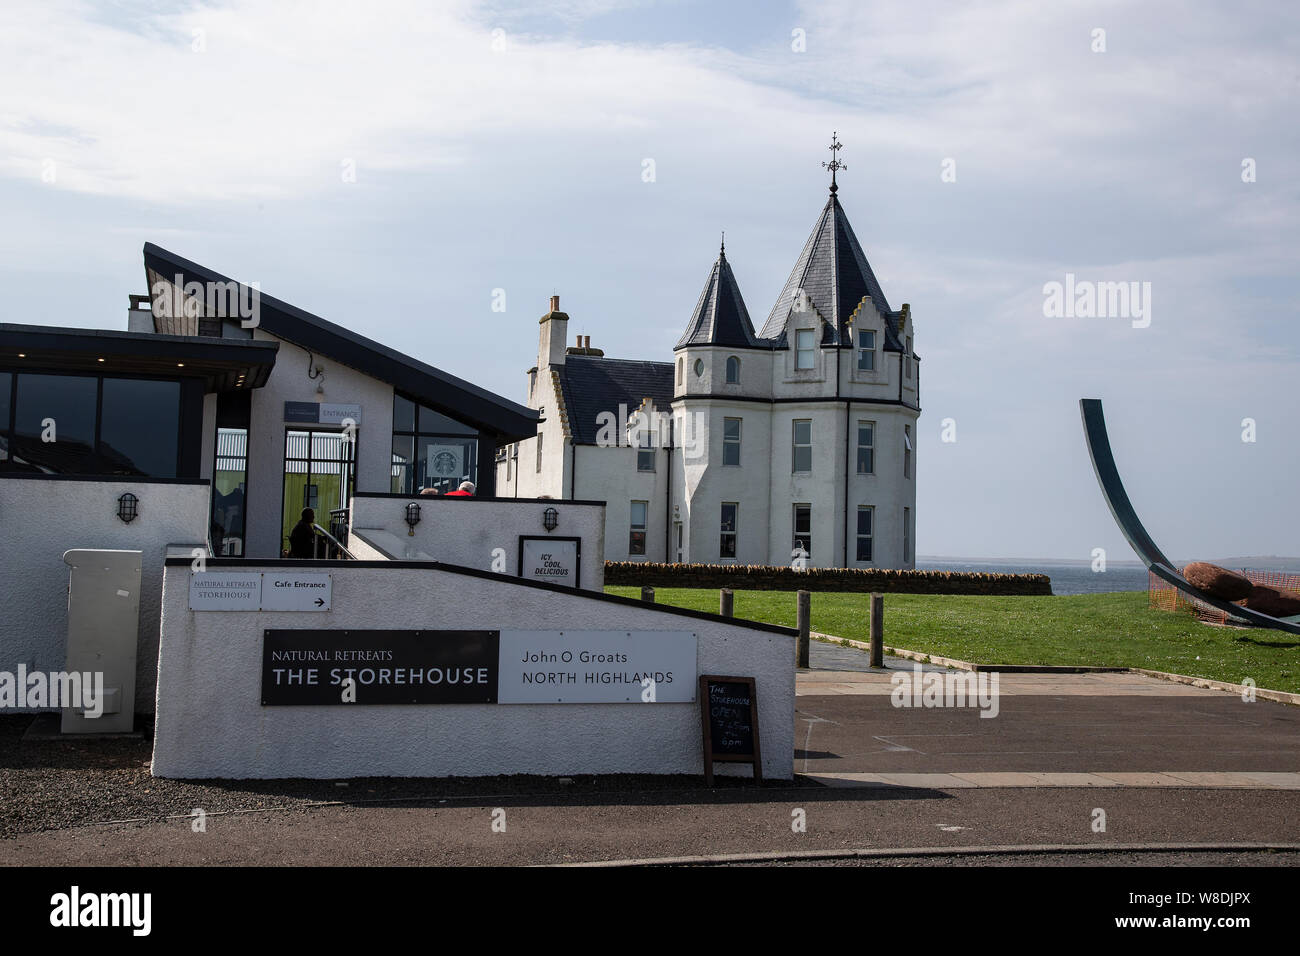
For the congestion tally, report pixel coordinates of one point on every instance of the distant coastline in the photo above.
(1076, 576)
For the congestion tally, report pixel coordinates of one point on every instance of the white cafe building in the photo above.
(149, 480)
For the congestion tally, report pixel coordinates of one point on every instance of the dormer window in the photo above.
(866, 350)
(803, 349)
(733, 370)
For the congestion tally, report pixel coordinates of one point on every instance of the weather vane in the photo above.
(835, 163)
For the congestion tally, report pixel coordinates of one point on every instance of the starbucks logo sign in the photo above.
(445, 464)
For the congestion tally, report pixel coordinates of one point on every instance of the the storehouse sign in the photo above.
(477, 667)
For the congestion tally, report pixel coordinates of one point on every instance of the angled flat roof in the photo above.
(224, 364)
(446, 393)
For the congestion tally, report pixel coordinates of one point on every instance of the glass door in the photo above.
(319, 471)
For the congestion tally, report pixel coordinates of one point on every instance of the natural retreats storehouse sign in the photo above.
(310, 666)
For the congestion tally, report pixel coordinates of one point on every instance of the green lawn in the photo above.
(1115, 629)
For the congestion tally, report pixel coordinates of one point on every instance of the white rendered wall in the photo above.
(44, 517)
(211, 722)
(466, 531)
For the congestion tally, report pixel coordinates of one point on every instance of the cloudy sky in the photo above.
(389, 165)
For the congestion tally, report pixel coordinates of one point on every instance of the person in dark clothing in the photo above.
(302, 539)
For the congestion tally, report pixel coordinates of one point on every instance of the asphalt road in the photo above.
(845, 724)
(553, 829)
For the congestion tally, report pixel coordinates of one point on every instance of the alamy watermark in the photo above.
(218, 300)
(1086, 299)
(951, 689)
(57, 689)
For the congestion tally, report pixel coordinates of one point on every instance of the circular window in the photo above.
(699, 367)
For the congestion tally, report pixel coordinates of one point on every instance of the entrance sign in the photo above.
(597, 667)
(729, 723)
(384, 667)
(292, 591)
(260, 591)
(321, 413)
(217, 591)
(550, 559)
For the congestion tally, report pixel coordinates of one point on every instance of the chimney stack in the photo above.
(554, 332)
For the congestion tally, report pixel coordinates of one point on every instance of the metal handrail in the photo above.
(337, 543)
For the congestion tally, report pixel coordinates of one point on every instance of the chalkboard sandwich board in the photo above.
(729, 723)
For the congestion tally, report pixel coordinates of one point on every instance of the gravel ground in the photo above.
(56, 784)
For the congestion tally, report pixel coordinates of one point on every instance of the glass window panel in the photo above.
(436, 422)
(139, 428)
(296, 482)
(6, 384)
(403, 473)
(731, 428)
(229, 491)
(733, 370)
(728, 517)
(638, 514)
(802, 432)
(802, 519)
(403, 414)
(803, 349)
(442, 463)
(864, 521)
(70, 402)
(296, 445)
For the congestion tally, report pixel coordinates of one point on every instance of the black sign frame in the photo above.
(428, 649)
(577, 557)
(755, 759)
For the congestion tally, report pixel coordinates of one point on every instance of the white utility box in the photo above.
(103, 636)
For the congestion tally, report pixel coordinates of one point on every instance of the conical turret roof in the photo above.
(834, 274)
(720, 316)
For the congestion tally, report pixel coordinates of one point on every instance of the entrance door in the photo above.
(677, 534)
(319, 470)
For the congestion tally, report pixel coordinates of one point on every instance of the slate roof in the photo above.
(591, 385)
(833, 272)
(720, 316)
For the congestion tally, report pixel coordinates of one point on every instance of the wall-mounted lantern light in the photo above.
(412, 517)
(127, 507)
(550, 518)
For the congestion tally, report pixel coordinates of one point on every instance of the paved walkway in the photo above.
(1050, 730)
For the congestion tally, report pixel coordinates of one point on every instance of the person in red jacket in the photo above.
(466, 490)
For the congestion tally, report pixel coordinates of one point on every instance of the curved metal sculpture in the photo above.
(1112, 489)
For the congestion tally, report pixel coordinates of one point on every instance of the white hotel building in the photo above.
(746, 446)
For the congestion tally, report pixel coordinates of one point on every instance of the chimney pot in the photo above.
(586, 341)
(578, 344)
(555, 303)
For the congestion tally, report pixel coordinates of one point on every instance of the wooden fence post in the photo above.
(877, 630)
(804, 606)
